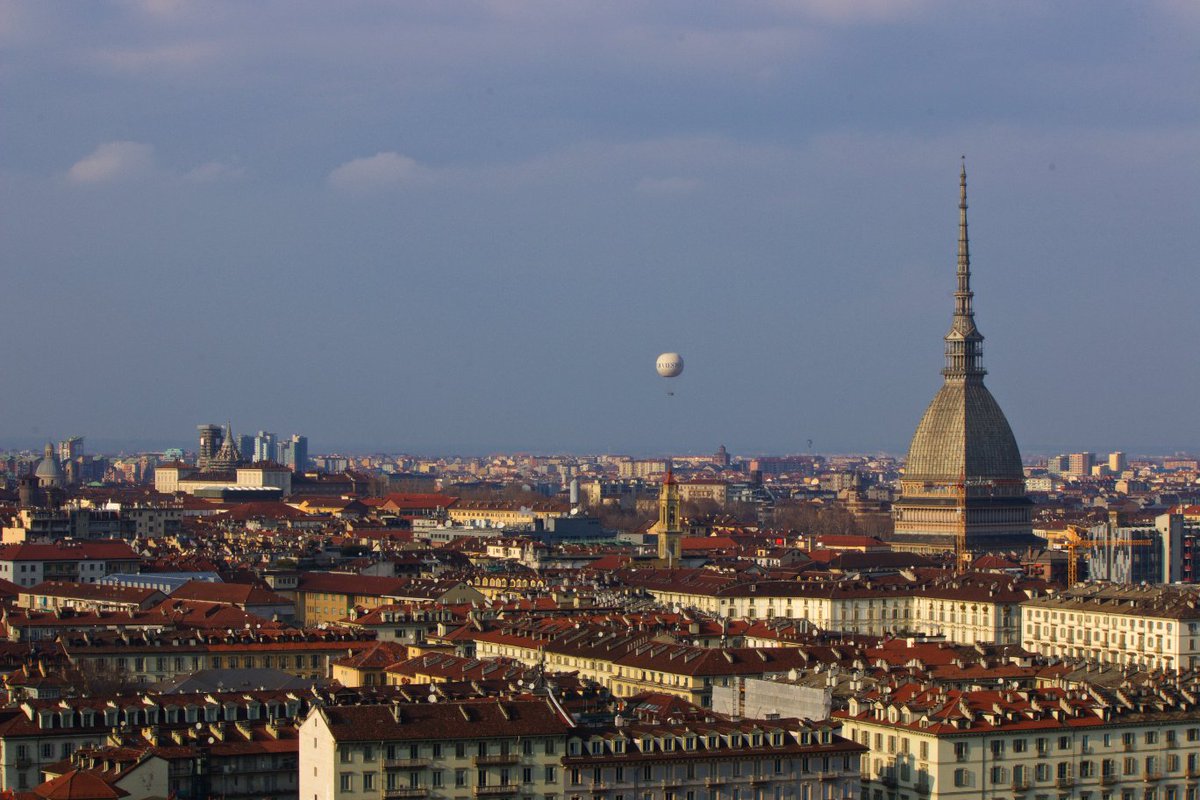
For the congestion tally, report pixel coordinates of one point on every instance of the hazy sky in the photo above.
(471, 226)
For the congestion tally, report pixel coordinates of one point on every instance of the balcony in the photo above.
(1154, 775)
(497, 790)
(405, 763)
(888, 781)
(1020, 786)
(497, 761)
(1108, 779)
(406, 792)
(1064, 783)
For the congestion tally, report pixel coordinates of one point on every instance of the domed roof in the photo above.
(49, 468)
(963, 434)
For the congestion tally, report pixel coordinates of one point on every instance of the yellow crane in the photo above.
(1076, 539)
(960, 536)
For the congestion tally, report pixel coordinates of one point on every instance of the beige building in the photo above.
(491, 748)
(975, 608)
(500, 514)
(698, 489)
(180, 477)
(530, 748)
(1150, 626)
(932, 743)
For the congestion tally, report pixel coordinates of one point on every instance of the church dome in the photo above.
(963, 434)
(48, 470)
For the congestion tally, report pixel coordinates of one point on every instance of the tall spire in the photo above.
(964, 341)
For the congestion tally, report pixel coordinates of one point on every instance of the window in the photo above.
(437, 778)
(368, 781)
(1064, 743)
(962, 777)
(460, 777)
(961, 751)
(924, 750)
(347, 781)
(550, 775)
(344, 752)
(1042, 772)
(997, 748)
(1020, 745)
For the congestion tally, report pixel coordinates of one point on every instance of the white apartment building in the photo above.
(931, 743)
(529, 748)
(977, 608)
(1151, 626)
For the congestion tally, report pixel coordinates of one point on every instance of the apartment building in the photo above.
(81, 562)
(970, 609)
(39, 733)
(484, 749)
(530, 748)
(712, 760)
(142, 658)
(1151, 626)
(933, 743)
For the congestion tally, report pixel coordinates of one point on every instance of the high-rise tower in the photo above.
(210, 443)
(964, 472)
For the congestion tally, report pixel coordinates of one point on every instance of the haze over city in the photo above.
(472, 227)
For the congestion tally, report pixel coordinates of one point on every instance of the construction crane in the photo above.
(1076, 539)
(960, 536)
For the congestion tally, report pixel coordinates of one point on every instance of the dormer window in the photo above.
(618, 745)
(669, 744)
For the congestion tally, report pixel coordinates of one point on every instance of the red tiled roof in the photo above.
(78, 785)
(240, 594)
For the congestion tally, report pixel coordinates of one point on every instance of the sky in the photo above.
(471, 227)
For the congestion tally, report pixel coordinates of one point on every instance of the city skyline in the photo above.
(480, 242)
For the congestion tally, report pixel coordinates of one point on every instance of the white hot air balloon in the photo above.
(669, 365)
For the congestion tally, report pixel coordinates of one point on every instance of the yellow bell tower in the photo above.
(669, 535)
